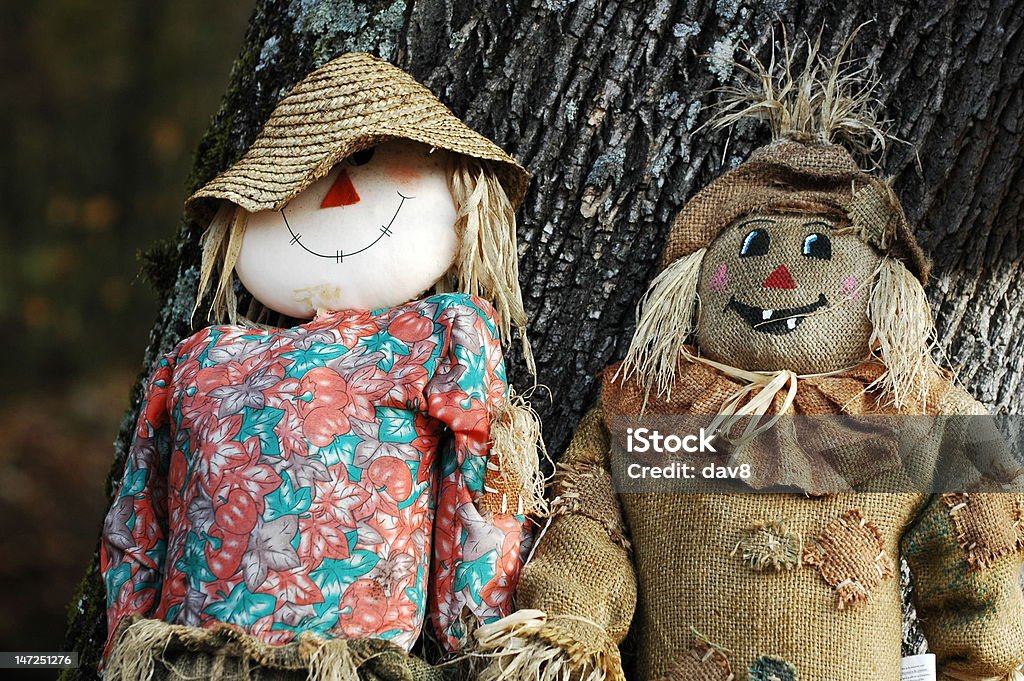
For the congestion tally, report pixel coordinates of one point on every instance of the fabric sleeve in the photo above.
(477, 538)
(133, 546)
(577, 594)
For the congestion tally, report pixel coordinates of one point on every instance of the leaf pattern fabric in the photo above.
(295, 480)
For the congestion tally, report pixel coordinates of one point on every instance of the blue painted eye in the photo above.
(755, 243)
(818, 246)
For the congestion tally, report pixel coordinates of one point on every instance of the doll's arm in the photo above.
(963, 550)
(965, 566)
(578, 593)
(133, 547)
(481, 514)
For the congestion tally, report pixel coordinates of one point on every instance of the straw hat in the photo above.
(794, 175)
(348, 104)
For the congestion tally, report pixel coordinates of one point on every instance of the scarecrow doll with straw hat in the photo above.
(790, 288)
(291, 504)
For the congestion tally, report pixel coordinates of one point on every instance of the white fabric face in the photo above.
(377, 231)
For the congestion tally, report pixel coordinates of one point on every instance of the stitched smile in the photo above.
(340, 255)
(776, 322)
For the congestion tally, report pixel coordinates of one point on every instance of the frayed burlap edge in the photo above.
(979, 556)
(528, 645)
(142, 643)
(770, 546)
(580, 485)
(845, 536)
(708, 657)
(514, 482)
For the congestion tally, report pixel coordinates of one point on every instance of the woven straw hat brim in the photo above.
(794, 176)
(351, 103)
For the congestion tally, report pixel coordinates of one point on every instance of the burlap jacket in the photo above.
(773, 586)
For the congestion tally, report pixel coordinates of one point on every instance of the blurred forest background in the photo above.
(103, 104)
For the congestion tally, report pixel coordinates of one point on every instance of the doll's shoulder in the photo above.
(464, 310)
(952, 399)
(460, 301)
(191, 347)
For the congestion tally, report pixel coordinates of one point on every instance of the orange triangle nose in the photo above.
(780, 278)
(342, 192)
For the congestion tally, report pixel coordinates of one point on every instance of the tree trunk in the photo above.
(603, 101)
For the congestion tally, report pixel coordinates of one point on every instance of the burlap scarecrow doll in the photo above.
(790, 287)
(289, 507)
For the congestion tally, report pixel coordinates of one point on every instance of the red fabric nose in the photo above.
(342, 192)
(780, 278)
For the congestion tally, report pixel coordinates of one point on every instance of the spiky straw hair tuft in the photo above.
(830, 100)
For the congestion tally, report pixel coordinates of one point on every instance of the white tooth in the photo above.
(791, 323)
(766, 314)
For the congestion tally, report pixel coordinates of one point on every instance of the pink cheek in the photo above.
(720, 279)
(404, 175)
(850, 287)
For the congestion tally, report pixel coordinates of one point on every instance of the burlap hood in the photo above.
(348, 104)
(790, 175)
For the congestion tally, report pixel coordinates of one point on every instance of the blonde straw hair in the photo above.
(222, 242)
(486, 262)
(665, 319)
(902, 336)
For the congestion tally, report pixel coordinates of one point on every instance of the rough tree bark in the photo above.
(602, 100)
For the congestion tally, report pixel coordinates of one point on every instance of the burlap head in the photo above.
(789, 175)
(348, 104)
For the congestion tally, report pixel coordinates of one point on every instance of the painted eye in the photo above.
(755, 243)
(362, 157)
(818, 246)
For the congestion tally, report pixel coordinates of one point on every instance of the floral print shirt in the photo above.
(292, 480)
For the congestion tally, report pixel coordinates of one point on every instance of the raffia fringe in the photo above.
(144, 642)
(138, 647)
(525, 647)
(517, 446)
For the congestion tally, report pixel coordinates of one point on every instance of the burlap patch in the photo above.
(768, 668)
(703, 662)
(850, 555)
(988, 526)
(770, 546)
(586, 489)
